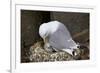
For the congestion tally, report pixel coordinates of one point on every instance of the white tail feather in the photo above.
(68, 51)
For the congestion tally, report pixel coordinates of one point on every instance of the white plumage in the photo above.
(56, 35)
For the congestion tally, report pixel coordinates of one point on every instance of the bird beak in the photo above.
(44, 40)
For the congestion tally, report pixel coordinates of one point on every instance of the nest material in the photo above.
(39, 54)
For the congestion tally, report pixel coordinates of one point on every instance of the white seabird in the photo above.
(56, 35)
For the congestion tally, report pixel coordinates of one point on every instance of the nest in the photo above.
(39, 54)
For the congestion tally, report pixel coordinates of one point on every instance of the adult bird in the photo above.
(57, 37)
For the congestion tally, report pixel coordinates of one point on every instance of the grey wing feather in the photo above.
(61, 39)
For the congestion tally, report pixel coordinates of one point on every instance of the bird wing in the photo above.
(61, 38)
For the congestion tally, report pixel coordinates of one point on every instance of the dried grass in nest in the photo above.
(39, 54)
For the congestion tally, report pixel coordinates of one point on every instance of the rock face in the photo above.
(39, 54)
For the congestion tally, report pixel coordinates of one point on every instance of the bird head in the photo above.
(43, 31)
